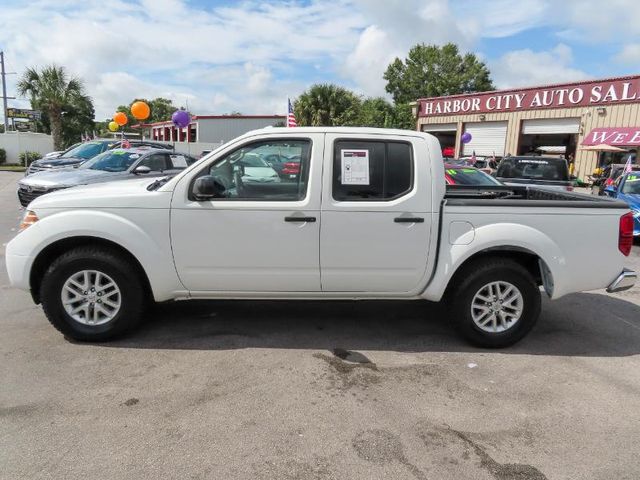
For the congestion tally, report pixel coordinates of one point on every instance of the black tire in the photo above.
(471, 279)
(132, 293)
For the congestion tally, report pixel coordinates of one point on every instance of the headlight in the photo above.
(29, 219)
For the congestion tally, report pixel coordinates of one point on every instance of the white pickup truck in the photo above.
(358, 213)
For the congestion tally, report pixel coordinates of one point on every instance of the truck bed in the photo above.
(510, 196)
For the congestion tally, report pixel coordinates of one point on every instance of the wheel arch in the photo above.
(531, 261)
(52, 251)
(532, 248)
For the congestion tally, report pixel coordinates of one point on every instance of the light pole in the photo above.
(4, 92)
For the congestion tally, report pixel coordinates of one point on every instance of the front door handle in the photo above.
(300, 219)
(408, 220)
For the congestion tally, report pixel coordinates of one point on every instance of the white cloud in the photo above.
(630, 54)
(250, 55)
(528, 68)
(365, 66)
(164, 45)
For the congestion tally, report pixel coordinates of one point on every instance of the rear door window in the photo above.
(371, 170)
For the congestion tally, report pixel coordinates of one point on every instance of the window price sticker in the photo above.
(355, 167)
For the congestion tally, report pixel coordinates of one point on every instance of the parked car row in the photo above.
(79, 153)
(113, 164)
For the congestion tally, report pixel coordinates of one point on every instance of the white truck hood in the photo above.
(110, 195)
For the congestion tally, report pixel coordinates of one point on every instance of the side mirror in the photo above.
(207, 187)
(141, 169)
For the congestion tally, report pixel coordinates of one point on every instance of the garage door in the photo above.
(440, 127)
(550, 126)
(487, 138)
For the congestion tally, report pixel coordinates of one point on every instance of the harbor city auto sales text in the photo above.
(593, 94)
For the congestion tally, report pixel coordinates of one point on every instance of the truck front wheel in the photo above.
(496, 302)
(92, 294)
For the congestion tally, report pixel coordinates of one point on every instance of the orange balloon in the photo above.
(120, 118)
(140, 110)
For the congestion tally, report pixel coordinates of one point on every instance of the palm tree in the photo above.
(52, 90)
(326, 105)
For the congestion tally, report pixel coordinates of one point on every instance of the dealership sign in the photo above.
(23, 113)
(623, 136)
(597, 93)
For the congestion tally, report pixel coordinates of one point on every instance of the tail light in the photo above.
(291, 168)
(625, 234)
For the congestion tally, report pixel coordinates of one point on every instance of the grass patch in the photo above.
(12, 168)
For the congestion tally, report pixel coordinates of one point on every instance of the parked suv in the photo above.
(81, 152)
(117, 164)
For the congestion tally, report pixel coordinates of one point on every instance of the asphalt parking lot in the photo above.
(319, 390)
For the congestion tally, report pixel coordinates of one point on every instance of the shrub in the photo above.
(29, 157)
(3, 156)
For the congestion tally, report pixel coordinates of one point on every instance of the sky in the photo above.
(215, 57)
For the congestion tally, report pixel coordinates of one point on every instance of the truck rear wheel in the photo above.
(91, 294)
(495, 303)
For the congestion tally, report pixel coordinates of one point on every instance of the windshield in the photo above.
(252, 160)
(112, 161)
(84, 150)
(468, 176)
(534, 169)
(632, 185)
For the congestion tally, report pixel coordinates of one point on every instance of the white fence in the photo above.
(14, 143)
(192, 148)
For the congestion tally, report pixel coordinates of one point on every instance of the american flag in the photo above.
(627, 167)
(291, 117)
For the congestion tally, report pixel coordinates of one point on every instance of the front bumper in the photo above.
(624, 281)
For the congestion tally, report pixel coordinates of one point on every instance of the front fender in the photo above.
(146, 237)
(497, 236)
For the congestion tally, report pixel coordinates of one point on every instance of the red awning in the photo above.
(616, 136)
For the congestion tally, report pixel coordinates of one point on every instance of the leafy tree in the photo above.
(78, 120)
(403, 117)
(53, 91)
(327, 105)
(376, 112)
(160, 108)
(431, 71)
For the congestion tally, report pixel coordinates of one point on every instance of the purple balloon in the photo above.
(181, 118)
(466, 137)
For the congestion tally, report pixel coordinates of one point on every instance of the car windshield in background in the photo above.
(534, 169)
(632, 185)
(468, 176)
(251, 160)
(112, 161)
(85, 150)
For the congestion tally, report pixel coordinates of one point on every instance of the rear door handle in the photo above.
(408, 220)
(300, 219)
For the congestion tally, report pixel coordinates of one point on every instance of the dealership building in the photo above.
(213, 129)
(557, 119)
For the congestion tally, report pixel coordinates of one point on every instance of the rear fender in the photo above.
(500, 237)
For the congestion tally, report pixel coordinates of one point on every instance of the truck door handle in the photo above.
(299, 219)
(408, 220)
